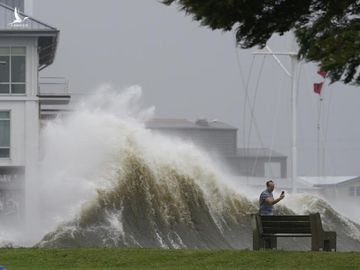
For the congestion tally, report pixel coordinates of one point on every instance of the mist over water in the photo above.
(107, 181)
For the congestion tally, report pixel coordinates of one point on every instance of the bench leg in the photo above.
(326, 245)
(258, 242)
(329, 241)
(270, 243)
(315, 244)
(264, 243)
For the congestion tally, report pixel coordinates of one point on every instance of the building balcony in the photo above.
(54, 91)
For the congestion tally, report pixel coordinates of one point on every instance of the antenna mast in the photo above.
(293, 74)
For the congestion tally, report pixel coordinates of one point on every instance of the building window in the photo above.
(12, 70)
(4, 134)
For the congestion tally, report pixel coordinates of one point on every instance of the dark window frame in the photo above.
(7, 148)
(12, 85)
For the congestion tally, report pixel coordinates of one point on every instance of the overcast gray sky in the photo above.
(187, 71)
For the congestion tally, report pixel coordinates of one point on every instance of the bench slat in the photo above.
(287, 235)
(289, 230)
(285, 218)
(281, 223)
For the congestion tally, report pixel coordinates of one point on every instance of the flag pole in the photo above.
(318, 138)
(320, 148)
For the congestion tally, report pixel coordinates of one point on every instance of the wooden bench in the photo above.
(266, 230)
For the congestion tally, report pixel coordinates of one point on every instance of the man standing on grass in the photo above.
(267, 199)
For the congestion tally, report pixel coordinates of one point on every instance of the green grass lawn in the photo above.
(38, 259)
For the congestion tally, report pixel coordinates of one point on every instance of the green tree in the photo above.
(327, 31)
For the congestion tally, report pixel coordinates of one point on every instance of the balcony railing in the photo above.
(58, 86)
(54, 91)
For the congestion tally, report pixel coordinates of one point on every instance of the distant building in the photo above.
(336, 188)
(26, 47)
(214, 136)
(221, 139)
(342, 192)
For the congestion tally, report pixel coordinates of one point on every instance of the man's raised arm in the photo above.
(271, 201)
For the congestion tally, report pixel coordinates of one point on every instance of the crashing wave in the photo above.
(140, 189)
(161, 208)
(150, 206)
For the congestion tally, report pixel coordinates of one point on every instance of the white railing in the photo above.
(53, 86)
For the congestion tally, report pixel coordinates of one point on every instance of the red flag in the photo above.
(318, 87)
(322, 73)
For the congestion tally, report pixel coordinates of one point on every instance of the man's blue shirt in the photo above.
(265, 209)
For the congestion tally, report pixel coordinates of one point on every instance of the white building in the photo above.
(26, 47)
